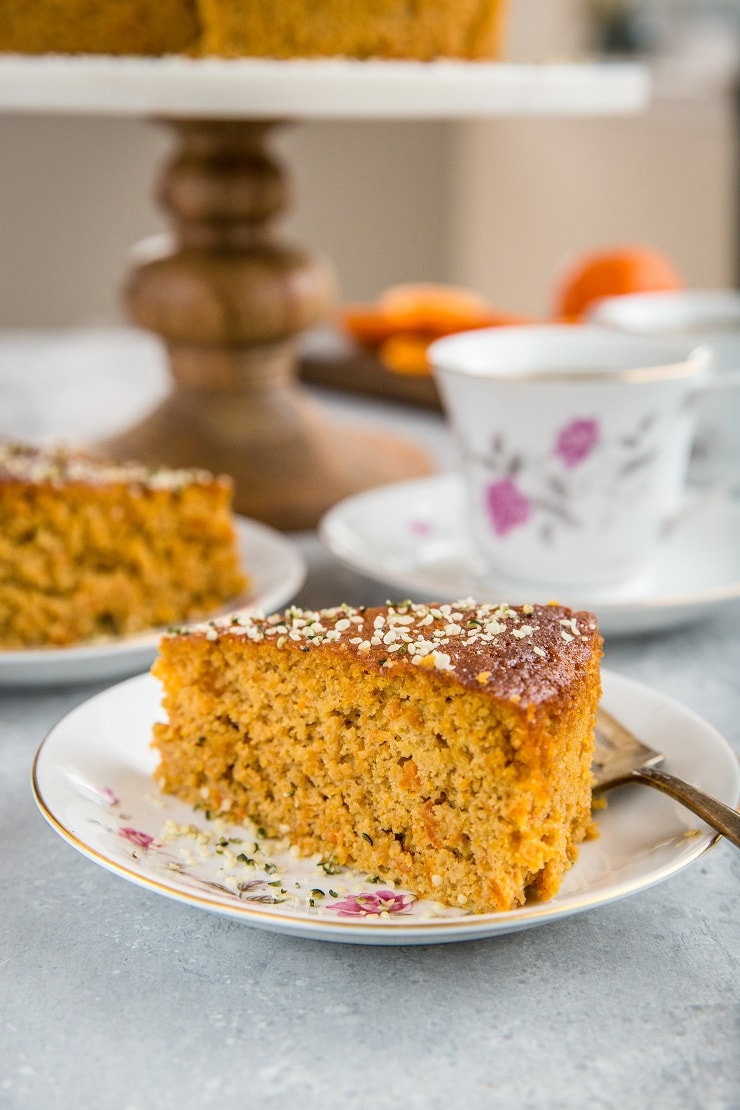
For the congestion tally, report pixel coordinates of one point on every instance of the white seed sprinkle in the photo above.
(431, 636)
(442, 661)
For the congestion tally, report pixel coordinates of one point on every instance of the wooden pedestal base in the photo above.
(230, 303)
(288, 462)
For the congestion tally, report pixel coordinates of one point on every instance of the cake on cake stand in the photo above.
(227, 298)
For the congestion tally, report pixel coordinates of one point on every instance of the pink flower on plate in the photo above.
(576, 441)
(419, 527)
(135, 836)
(107, 796)
(507, 506)
(367, 905)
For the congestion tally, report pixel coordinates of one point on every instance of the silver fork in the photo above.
(620, 758)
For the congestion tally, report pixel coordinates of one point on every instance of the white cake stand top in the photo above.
(333, 88)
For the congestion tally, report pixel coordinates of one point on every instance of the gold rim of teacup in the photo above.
(697, 362)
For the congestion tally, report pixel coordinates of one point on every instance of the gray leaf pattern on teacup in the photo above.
(550, 485)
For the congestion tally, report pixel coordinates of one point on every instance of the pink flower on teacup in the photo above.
(507, 506)
(576, 441)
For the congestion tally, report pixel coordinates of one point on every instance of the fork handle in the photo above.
(720, 816)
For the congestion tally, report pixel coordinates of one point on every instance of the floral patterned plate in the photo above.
(413, 535)
(276, 570)
(92, 779)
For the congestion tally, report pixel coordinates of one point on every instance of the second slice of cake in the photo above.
(447, 748)
(92, 549)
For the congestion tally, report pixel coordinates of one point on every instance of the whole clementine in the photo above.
(611, 273)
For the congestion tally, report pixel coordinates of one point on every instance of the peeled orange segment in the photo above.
(367, 324)
(405, 354)
(422, 313)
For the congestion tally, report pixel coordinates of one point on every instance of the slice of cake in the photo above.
(90, 549)
(446, 748)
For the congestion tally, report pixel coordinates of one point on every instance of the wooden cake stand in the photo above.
(230, 301)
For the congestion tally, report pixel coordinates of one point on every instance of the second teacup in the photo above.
(575, 443)
(706, 317)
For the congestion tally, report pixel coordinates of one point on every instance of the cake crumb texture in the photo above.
(422, 29)
(90, 549)
(446, 748)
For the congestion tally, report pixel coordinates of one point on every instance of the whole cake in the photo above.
(424, 29)
(91, 549)
(444, 747)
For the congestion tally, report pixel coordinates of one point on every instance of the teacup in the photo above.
(699, 316)
(575, 443)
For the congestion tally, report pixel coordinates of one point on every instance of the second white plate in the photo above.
(276, 570)
(413, 536)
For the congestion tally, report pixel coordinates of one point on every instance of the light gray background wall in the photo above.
(76, 194)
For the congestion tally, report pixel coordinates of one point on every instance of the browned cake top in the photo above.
(26, 464)
(527, 652)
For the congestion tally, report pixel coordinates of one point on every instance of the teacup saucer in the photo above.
(412, 535)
